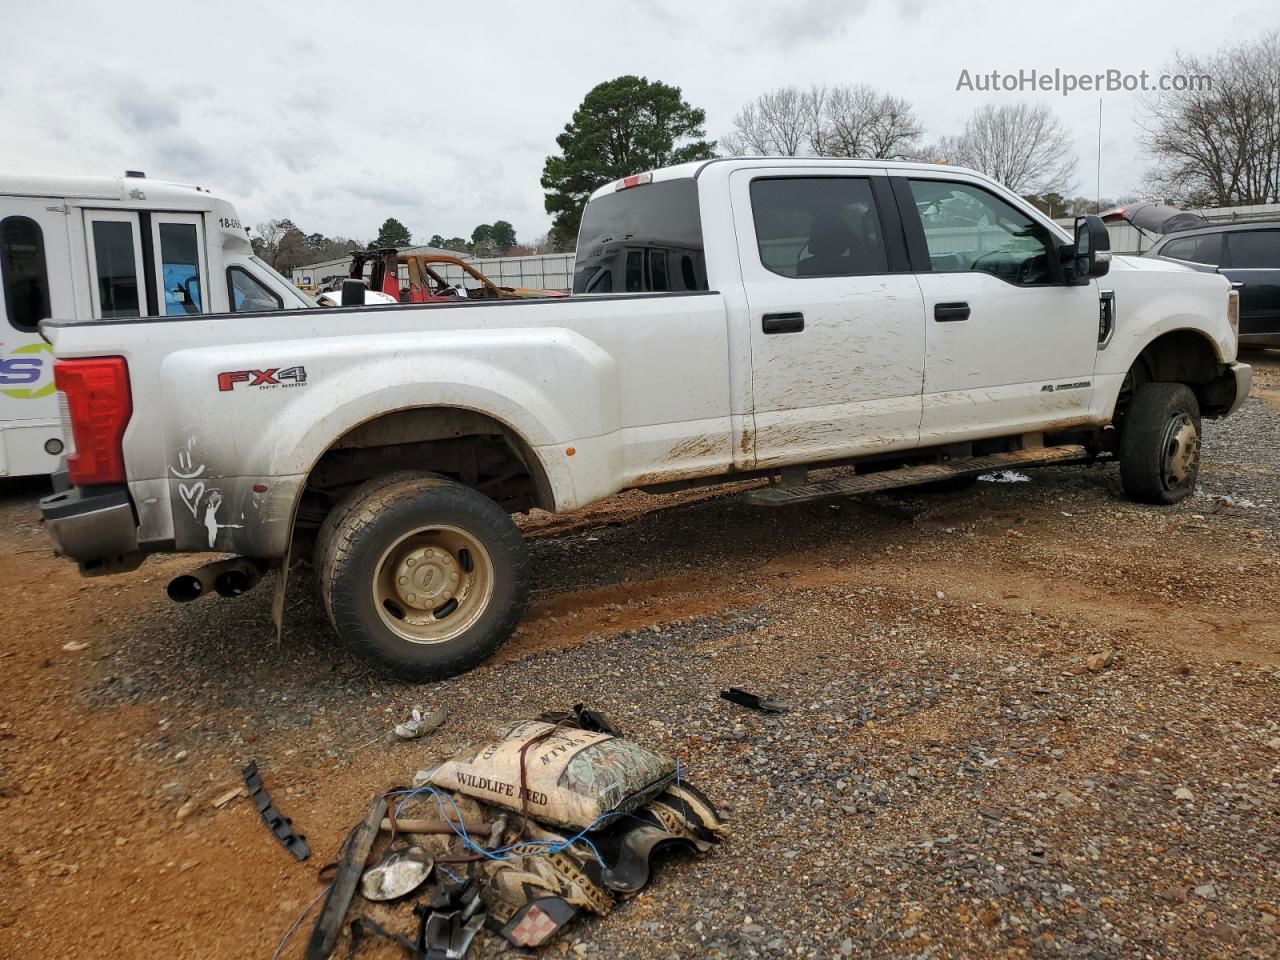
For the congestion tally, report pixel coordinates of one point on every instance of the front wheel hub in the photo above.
(1181, 450)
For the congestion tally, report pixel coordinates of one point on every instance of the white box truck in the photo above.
(108, 248)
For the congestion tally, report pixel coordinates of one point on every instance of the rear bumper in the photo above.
(94, 527)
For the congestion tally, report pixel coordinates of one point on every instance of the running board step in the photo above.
(781, 496)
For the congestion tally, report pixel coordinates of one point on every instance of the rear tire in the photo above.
(422, 577)
(1160, 444)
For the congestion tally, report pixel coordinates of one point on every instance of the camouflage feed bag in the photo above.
(558, 774)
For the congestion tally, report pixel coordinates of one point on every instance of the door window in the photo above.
(1202, 249)
(248, 294)
(23, 270)
(967, 228)
(1255, 249)
(818, 227)
(180, 268)
(116, 268)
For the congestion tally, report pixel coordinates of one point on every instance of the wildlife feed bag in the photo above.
(571, 777)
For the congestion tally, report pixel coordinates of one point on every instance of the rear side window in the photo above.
(23, 270)
(248, 294)
(818, 227)
(635, 234)
(1202, 249)
(1256, 249)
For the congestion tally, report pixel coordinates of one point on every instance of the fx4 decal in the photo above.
(263, 379)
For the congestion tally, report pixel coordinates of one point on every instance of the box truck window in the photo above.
(117, 269)
(22, 268)
(180, 262)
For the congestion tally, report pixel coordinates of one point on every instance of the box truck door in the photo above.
(35, 272)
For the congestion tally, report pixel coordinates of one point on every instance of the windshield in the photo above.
(288, 284)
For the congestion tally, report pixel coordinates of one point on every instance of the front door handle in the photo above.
(950, 312)
(782, 322)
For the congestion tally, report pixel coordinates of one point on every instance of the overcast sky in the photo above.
(340, 115)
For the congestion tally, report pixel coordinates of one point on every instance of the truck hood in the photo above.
(1153, 264)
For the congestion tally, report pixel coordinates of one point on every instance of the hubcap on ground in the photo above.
(1181, 450)
(433, 583)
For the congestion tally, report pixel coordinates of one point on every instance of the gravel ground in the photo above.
(958, 776)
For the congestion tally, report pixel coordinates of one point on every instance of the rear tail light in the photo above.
(99, 404)
(1233, 311)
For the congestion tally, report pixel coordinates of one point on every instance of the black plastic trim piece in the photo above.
(276, 822)
(148, 263)
(912, 228)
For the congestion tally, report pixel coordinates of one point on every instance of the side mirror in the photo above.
(1091, 254)
(353, 293)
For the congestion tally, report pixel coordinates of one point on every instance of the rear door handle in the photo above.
(782, 322)
(950, 312)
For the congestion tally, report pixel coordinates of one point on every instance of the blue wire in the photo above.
(500, 853)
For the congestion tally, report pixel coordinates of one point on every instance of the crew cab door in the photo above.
(837, 322)
(1009, 347)
(1253, 267)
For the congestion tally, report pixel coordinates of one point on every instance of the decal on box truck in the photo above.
(21, 367)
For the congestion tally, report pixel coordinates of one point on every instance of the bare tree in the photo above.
(842, 121)
(1027, 148)
(860, 121)
(1217, 143)
(777, 123)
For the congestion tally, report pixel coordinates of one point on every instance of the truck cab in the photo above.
(108, 248)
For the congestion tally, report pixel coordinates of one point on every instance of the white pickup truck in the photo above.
(730, 319)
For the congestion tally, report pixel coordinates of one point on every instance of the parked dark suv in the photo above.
(1247, 254)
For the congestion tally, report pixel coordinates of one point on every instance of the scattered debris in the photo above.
(354, 855)
(75, 646)
(1182, 793)
(582, 718)
(227, 797)
(276, 821)
(401, 870)
(594, 810)
(1100, 661)
(1005, 476)
(417, 725)
(753, 701)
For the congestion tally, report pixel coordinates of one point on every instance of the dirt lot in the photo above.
(952, 781)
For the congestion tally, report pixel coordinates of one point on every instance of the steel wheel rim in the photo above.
(433, 584)
(1181, 451)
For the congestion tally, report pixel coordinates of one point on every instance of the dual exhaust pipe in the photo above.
(226, 578)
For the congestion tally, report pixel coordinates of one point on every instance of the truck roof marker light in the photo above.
(635, 180)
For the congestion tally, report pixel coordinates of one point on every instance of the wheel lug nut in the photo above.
(404, 580)
(412, 597)
(410, 562)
